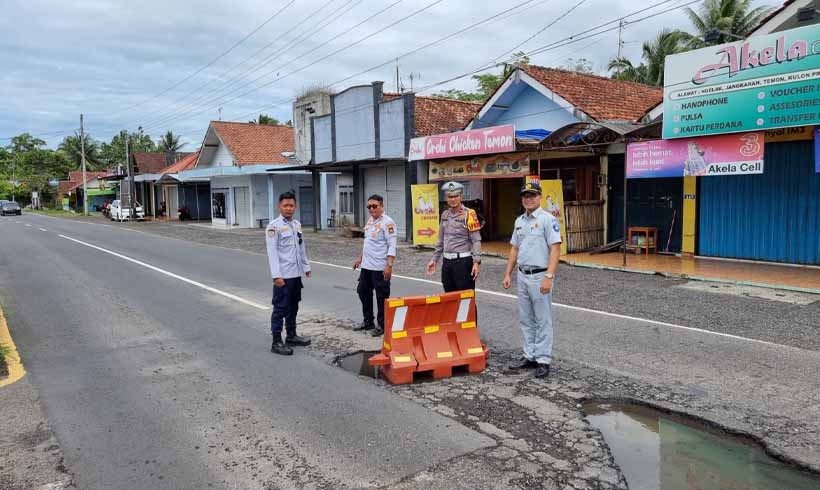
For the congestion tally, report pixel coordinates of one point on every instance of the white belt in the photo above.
(457, 255)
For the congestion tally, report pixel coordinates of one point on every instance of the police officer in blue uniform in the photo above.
(376, 261)
(536, 248)
(459, 242)
(288, 261)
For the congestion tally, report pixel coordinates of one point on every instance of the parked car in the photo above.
(10, 207)
(118, 212)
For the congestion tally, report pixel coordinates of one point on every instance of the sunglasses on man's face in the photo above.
(372, 206)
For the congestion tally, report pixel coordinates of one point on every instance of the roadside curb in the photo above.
(675, 275)
(16, 370)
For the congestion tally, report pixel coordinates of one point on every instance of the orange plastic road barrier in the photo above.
(430, 333)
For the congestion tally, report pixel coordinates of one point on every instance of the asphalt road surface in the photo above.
(152, 359)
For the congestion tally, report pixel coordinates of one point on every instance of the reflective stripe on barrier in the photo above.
(430, 333)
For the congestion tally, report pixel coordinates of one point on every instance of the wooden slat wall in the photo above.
(585, 225)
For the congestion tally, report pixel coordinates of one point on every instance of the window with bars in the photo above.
(345, 199)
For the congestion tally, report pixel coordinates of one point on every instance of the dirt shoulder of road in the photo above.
(30, 457)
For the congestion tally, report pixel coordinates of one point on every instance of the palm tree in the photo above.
(169, 143)
(72, 149)
(654, 54)
(266, 120)
(733, 18)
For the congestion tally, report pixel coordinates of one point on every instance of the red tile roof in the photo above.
(604, 99)
(436, 115)
(186, 163)
(77, 175)
(153, 162)
(252, 144)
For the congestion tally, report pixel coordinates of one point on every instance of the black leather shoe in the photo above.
(522, 363)
(364, 326)
(297, 340)
(277, 347)
(377, 333)
(542, 371)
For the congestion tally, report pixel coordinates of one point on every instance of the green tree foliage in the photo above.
(113, 153)
(169, 143)
(730, 17)
(580, 65)
(72, 149)
(27, 161)
(486, 83)
(266, 120)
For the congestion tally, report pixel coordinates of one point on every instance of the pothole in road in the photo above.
(661, 451)
(356, 363)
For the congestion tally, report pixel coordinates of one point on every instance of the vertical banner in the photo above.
(425, 214)
(552, 200)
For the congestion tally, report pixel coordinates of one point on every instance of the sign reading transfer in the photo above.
(496, 139)
(763, 82)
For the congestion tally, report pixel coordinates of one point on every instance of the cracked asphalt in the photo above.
(183, 373)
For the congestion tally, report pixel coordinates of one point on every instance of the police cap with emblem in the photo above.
(452, 188)
(531, 188)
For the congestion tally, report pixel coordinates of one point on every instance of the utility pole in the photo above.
(398, 86)
(82, 155)
(132, 191)
(220, 113)
(620, 43)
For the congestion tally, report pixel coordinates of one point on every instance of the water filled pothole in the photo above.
(357, 364)
(660, 451)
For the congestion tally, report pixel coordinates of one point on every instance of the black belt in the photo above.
(532, 271)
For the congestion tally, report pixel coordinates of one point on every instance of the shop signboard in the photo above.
(425, 214)
(495, 139)
(489, 167)
(783, 135)
(725, 154)
(763, 82)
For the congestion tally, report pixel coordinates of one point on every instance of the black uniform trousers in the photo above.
(285, 306)
(457, 274)
(370, 280)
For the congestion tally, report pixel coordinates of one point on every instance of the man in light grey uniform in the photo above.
(378, 253)
(536, 248)
(459, 241)
(288, 260)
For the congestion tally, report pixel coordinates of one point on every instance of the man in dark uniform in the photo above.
(288, 261)
(459, 242)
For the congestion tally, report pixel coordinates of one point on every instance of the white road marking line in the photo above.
(43, 229)
(171, 274)
(587, 310)
(28, 225)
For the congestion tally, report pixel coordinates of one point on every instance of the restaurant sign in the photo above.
(725, 154)
(762, 82)
(488, 167)
(496, 139)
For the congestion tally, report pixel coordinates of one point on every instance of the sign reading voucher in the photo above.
(726, 154)
(762, 82)
(496, 139)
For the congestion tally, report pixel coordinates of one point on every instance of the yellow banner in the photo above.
(425, 214)
(801, 133)
(552, 201)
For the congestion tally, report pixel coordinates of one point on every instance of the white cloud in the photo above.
(101, 57)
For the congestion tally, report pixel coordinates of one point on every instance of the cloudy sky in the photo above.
(153, 63)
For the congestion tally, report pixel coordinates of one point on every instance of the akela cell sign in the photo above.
(762, 82)
(708, 156)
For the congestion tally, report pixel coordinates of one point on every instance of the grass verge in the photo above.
(5, 351)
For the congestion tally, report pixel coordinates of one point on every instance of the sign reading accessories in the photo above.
(496, 139)
(764, 82)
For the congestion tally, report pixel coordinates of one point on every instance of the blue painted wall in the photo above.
(774, 216)
(528, 109)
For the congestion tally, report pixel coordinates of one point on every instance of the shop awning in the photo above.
(582, 135)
